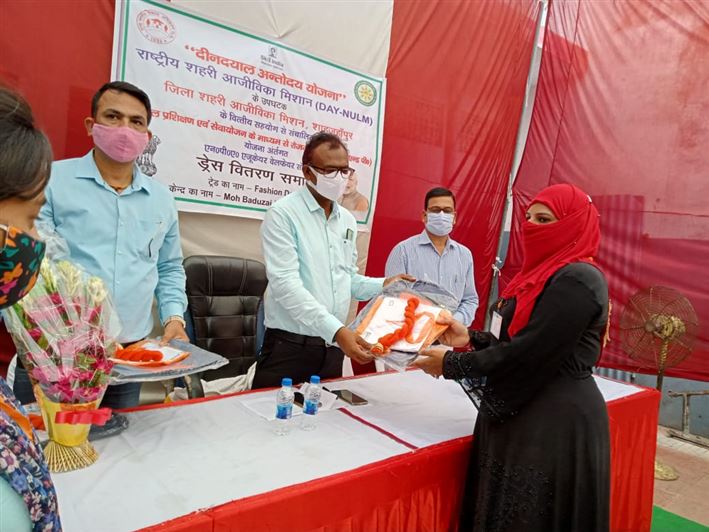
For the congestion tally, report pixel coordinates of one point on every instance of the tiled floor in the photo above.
(687, 496)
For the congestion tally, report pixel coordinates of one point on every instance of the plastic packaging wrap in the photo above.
(384, 316)
(197, 361)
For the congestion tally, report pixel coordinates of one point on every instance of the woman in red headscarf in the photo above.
(541, 453)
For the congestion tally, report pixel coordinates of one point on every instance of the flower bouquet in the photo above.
(64, 331)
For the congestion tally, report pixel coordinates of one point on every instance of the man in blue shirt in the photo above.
(433, 256)
(120, 224)
(311, 263)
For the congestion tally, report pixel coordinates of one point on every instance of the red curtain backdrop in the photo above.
(56, 54)
(456, 73)
(455, 88)
(621, 111)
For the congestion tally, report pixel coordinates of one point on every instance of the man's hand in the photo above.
(456, 334)
(400, 277)
(173, 331)
(431, 360)
(353, 345)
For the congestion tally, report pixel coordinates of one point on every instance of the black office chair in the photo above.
(225, 310)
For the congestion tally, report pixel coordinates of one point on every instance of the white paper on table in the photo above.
(168, 353)
(327, 399)
(264, 405)
(390, 316)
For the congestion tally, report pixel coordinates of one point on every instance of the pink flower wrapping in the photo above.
(65, 331)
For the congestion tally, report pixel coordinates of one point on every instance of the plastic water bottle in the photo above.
(284, 407)
(312, 404)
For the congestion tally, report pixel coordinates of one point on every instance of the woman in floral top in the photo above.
(27, 497)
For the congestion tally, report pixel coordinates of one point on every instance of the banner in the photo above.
(232, 111)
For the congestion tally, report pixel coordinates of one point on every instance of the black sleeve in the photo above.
(563, 312)
(481, 339)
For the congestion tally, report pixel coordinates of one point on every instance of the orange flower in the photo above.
(14, 274)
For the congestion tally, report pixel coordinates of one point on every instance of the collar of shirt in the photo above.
(423, 239)
(313, 204)
(87, 169)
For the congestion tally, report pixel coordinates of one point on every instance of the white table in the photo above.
(177, 460)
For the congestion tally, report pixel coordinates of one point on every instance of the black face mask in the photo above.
(20, 258)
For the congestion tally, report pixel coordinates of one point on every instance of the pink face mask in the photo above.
(122, 144)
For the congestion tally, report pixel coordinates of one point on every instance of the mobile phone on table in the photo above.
(350, 397)
(299, 399)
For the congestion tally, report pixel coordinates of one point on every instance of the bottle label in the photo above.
(311, 407)
(284, 411)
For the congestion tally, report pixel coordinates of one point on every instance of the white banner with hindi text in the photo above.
(232, 111)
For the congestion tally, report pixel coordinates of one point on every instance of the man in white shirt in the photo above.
(311, 263)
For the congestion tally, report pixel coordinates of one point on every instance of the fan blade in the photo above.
(640, 310)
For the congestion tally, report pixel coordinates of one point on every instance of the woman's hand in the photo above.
(431, 360)
(457, 334)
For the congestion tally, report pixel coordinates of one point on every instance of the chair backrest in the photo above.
(224, 297)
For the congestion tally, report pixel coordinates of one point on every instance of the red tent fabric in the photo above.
(455, 88)
(621, 112)
(58, 80)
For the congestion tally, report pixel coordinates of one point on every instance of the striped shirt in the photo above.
(452, 270)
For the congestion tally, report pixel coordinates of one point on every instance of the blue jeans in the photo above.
(22, 386)
(116, 396)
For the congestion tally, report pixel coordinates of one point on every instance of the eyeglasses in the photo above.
(332, 173)
(437, 210)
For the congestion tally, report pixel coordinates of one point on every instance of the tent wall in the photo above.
(456, 81)
(621, 111)
(60, 79)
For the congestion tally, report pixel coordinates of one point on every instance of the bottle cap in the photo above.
(287, 382)
(314, 379)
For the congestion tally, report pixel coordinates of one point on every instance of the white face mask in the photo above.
(439, 223)
(328, 187)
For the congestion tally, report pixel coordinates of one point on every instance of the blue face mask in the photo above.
(439, 223)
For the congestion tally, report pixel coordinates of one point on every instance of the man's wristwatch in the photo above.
(176, 318)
